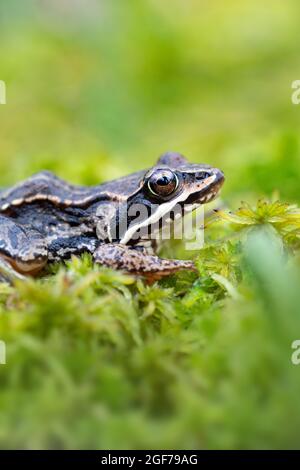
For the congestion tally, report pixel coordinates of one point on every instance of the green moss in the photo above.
(96, 358)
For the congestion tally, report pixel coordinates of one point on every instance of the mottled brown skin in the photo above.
(46, 219)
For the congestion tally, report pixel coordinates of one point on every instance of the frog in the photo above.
(45, 219)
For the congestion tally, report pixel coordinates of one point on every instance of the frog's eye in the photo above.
(163, 182)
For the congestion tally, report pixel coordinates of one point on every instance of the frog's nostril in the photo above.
(202, 175)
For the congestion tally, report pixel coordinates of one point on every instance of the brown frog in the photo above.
(45, 219)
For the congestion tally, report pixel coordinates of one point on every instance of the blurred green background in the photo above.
(96, 90)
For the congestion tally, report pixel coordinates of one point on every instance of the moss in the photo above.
(96, 358)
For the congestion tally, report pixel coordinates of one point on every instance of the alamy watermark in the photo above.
(295, 357)
(130, 223)
(2, 92)
(2, 352)
(295, 97)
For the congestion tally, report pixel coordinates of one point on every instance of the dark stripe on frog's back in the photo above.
(45, 186)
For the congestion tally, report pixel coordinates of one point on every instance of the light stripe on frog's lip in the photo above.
(161, 211)
(164, 209)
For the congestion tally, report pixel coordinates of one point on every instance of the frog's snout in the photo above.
(220, 178)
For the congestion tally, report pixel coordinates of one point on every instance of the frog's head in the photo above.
(172, 182)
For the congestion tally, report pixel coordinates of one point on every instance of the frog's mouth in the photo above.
(189, 199)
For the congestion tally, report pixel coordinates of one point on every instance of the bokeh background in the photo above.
(96, 90)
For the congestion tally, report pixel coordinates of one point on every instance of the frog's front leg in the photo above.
(135, 261)
(22, 250)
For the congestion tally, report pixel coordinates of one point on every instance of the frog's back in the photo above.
(45, 186)
(42, 186)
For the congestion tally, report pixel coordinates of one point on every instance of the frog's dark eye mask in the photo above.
(164, 187)
(163, 184)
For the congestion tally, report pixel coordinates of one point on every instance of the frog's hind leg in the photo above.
(23, 251)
